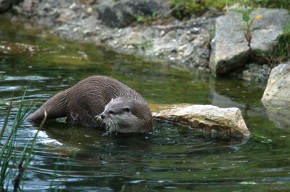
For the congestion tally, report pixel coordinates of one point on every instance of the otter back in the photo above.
(87, 99)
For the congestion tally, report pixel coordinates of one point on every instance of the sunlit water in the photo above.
(172, 158)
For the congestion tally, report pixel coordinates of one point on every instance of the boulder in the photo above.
(276, 97)
(229, 46)
(124, 12)
(277, 92)
(217, 122)
(5, 5)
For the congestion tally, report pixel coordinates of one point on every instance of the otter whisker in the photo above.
(99, 119)
(110, 125)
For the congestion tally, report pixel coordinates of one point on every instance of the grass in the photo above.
(185, 8)
(12, 162)
(281, 52)
(147, 19)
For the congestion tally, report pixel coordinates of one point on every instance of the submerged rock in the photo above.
(218, 122)
(229, 46)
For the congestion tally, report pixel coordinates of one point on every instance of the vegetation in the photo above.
(246, 12)
(185, 8)
(13, 162)
(147, 19)
(281, 52)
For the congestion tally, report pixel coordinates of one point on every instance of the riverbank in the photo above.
(162, 38)
(150, 29)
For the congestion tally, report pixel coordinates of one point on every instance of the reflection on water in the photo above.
(172, 158)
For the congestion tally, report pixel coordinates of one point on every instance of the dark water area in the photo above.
(172, 158)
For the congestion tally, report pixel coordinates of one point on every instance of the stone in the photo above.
(277, 92)
(159, 38)
(229, 46)
(125, 12)
(217, 122)
(276, 97)
(256, 73)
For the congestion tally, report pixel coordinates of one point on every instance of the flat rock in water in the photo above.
(218, 122)
(229, 46)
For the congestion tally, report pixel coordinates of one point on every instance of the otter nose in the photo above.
(103, 116)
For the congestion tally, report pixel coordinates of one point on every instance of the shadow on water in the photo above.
(172, 158)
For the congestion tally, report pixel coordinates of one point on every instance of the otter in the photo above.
(99, 101)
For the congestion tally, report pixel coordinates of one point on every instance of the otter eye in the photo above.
(126, 109)
(111, 112)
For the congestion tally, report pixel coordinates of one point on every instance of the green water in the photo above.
(173, 158)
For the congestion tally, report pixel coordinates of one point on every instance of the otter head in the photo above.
(126, 116)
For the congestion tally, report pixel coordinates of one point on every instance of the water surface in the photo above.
(172, 158)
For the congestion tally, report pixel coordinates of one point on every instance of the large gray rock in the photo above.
(276, 97)
(125, 12)
(277, 91)
(229, 47)
(218, 122)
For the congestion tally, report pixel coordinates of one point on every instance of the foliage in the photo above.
(185, 8)
(270, 3)
(249, 21)
(281, 52)
(13, 164)
(147, 19)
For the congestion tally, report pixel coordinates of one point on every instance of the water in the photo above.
(173, 158)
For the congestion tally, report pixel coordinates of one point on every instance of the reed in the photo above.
(13, 162)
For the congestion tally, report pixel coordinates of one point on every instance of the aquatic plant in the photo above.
(12, 162)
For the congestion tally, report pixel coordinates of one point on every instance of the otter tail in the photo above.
(55, 107)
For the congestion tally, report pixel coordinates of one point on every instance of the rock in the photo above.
(229, 47)
(276, 97)
(256, 73)
(125, 12)
(183, 43)
(218, 122)
(277, 92)
(5, 5)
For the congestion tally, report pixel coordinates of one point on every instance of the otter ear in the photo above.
(126, 109)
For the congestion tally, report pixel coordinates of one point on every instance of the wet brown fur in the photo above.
(82, 102)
